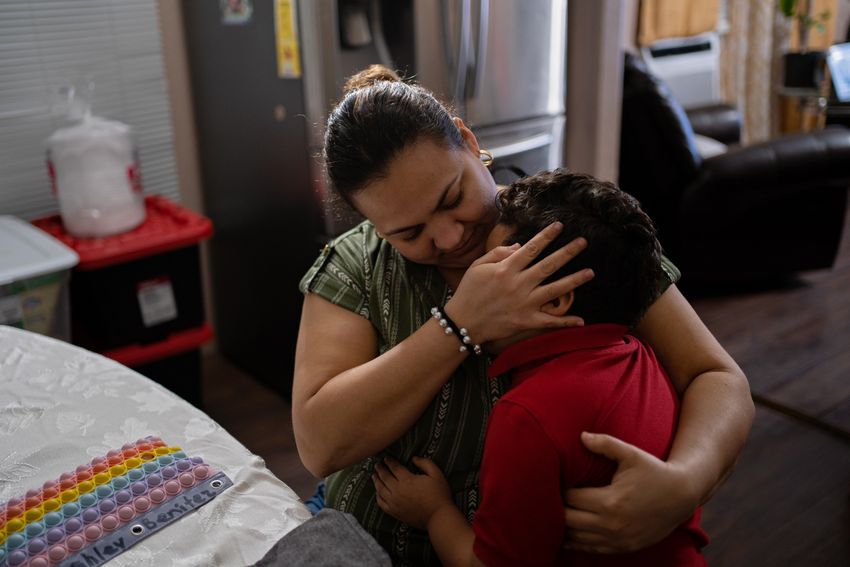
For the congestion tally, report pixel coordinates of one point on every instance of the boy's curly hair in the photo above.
(622, 248)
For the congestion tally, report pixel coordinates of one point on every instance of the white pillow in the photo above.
(708, 147)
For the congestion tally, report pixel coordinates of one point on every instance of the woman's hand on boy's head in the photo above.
(408, 497)
(498, 298)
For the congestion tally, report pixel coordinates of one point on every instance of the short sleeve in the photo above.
(342, 272)
(672, 274)
(521, 517)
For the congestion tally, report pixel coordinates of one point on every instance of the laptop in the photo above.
(838, 59)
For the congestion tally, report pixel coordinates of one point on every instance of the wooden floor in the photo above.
(788, 502)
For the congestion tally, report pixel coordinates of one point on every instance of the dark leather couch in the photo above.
(752, 213)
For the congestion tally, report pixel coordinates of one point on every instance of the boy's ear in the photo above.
(560, 305)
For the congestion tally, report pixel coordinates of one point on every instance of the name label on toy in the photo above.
(131, 533)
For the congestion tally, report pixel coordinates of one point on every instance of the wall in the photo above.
(183, 124)
(108, 51)
(179, 93)
(842, 20)
(631, 18)
(594, 87)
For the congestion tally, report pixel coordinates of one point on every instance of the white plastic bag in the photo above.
(96, 177)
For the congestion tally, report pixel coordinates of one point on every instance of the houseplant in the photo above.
(804, 68)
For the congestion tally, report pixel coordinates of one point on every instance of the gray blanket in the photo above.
(330, 538)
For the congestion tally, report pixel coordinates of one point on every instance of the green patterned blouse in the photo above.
(364, 274)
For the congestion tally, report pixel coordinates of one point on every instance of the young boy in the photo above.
(597, 378)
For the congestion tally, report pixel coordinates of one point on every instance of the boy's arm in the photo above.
(424, 501)
(452, 537)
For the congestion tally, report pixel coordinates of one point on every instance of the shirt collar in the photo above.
(558, 342)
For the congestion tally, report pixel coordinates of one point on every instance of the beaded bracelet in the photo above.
(449, 328)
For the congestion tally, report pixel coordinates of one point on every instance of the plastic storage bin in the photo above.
(34, 273)
(137, 297)
(174, 362)
(139, 287)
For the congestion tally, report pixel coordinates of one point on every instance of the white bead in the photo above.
(462, 348)
(443, 323)
(464, 332)
(449, 330)
(466, 340)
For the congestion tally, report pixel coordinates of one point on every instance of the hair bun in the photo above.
(369, 76)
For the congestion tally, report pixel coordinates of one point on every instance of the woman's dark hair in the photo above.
(622, 248)
(378, 117)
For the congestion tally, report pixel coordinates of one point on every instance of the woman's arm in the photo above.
(349, 403)
(648, 498)
(717, 407)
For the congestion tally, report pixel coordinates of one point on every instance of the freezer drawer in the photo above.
(530, 147)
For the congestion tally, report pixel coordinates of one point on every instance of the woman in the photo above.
(375, 375)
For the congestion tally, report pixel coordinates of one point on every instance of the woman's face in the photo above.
(436, 205)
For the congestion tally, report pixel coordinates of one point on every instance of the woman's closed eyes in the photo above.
(456, 202)
(453, 204)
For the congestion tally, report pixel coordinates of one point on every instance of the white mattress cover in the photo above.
(61, 405)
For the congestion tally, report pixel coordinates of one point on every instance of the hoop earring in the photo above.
(486, 157)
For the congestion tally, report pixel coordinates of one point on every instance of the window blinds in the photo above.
(48, 44)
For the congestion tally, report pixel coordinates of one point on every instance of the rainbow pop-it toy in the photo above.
(88, 516)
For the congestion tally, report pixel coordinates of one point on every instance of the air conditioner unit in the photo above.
(689, 65)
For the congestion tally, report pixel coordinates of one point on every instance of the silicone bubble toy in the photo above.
(131, 493)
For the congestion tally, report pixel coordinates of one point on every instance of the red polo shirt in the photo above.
(595, 378)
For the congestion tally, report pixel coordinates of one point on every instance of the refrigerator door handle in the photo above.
(521, 146)
(479, 58)
(378, 35)
(457, 58)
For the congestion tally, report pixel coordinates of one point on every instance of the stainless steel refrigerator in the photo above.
(500, 63)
